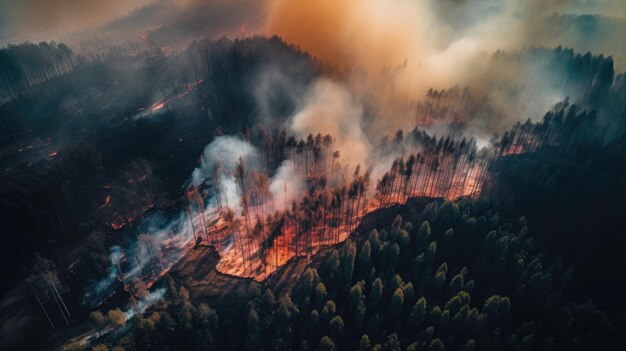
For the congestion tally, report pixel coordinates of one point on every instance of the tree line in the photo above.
(468, 277)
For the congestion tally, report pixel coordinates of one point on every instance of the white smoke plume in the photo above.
(161, 245)
(164, 241)
(286, 186)
(146, 302)
(330, 108)
(391, 52)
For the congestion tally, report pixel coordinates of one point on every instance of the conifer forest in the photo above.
(368, 175)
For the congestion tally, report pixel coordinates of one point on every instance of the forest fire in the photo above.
(260, 209)
(262, 230)
(107, 201)
(264, 198)
(117, 225)
(119, 221)
(265, 226)
(157, 106)
(175, 94)
(275, 175)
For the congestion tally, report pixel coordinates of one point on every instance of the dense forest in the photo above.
(470, 276)
(453, 246)
(54, 189)
(467, 277)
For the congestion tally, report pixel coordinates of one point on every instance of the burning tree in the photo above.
(326, 208)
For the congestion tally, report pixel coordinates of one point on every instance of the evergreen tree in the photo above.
(364, 343)
(326, 344)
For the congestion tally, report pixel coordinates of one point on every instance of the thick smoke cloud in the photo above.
(94, 26)
(286, 186)
(329, 108)
(374, 34)
(139, 258)
(437, 38)
(395, 51)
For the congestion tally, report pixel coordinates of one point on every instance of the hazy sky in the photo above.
(49, 19)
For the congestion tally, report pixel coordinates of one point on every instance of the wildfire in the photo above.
(117, 225)
(118, 222)
(327, 216)
(519, 150)
(157, 106)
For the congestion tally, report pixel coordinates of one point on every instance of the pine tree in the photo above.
(418, 314)
(364, 343)
(395, 306)
(375, 295)
(326, 344)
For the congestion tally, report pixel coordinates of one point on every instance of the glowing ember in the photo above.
(107, 201)
(157, 106)
(258, 223)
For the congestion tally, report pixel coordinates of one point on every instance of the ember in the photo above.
(157, 106)
(258, 224)
(107, 201)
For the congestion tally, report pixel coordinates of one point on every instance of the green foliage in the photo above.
(422, 237)
(254, 338)
(376, 293)
(326, 344)
(328, 311)
(320, 292)
(397, 300)
(484, 288)
(364, 343)
(436, 345)
(418, 314)
(364, 263)
(392, 343)
(336, 327)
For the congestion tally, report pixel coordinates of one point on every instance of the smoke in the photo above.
(47, 19)
(223, 155)
(97, 291)
(165, 240)
(393, 52)
(163, 243)
(144, 303)
(227, 150)
(398, 49)
(330, 108)
(286, 186)
(437, 38)
(276, 89)
(374, 34)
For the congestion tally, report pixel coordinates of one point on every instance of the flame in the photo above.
(117, 225)
(157, 106)
(118, 222)
(107, 201)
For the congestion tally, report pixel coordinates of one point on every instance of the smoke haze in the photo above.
(47, 19)
(392, 53)
(329, 108)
